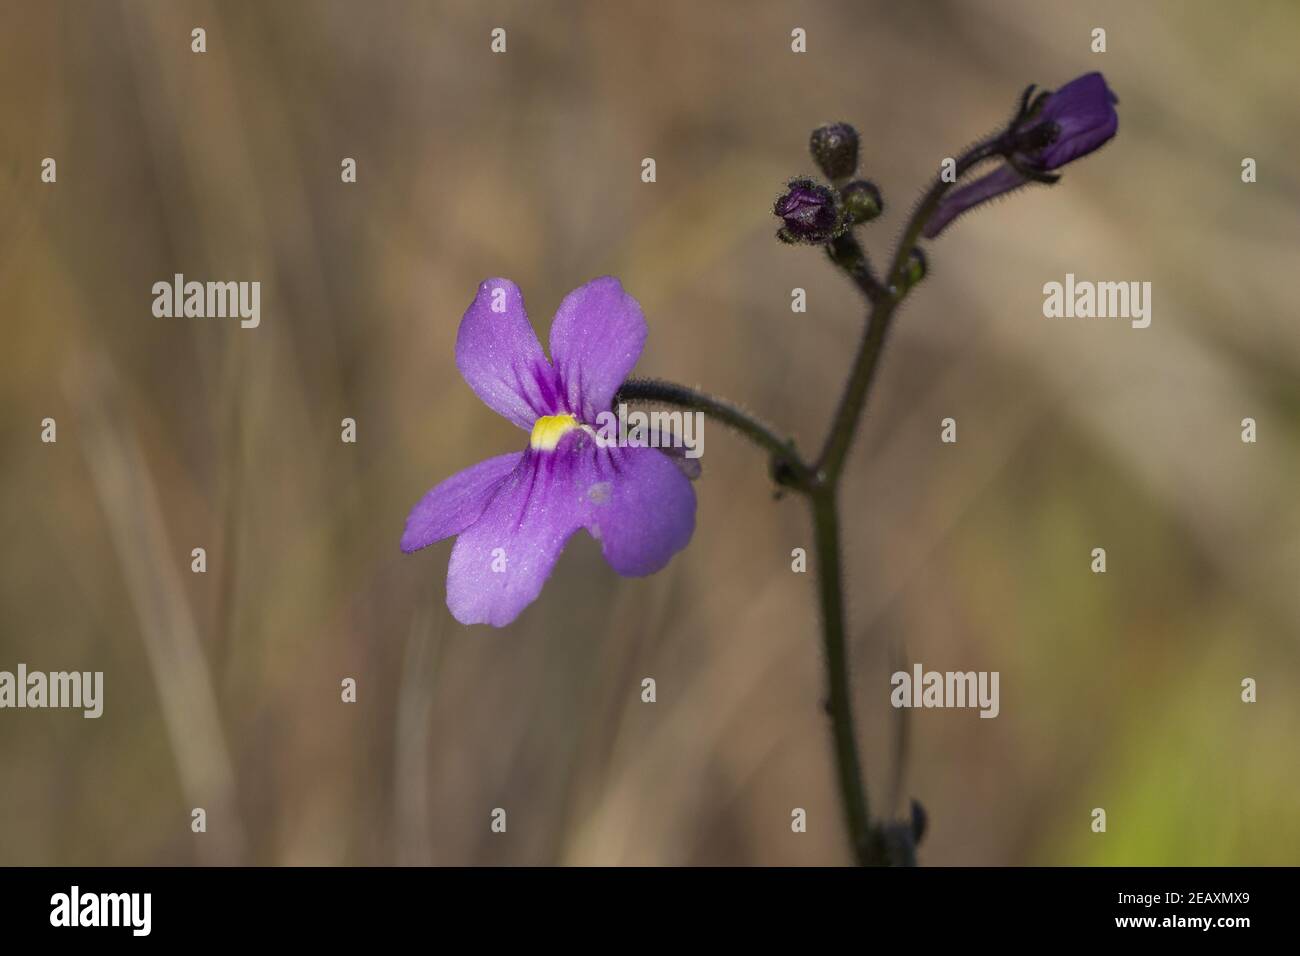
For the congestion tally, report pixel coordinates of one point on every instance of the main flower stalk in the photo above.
(1046, 132)
(819, 482)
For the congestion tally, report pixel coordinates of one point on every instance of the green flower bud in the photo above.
(862, 202)
(915, 269)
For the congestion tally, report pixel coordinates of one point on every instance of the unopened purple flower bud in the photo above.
(1076, 120)
(835, 148)
(810, 211)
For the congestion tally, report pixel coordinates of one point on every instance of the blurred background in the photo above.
(222, 690)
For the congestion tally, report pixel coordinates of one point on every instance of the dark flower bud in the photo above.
(862, 202)
(810, 211)
(835, 148)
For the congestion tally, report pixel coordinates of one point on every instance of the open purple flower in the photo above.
(1074, 121)
(514, 513)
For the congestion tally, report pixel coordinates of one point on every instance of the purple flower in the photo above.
(810, 213)
(1072, 122)
(514, 513)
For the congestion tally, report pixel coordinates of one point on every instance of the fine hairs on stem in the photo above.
(1031, 146)
(818, 482)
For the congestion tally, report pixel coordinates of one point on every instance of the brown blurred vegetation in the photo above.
(222, 690)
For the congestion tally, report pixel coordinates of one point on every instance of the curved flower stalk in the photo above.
(523, 506)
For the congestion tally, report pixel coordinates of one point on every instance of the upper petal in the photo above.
(456, 503)
(499, 564)
(1084, 109)
(498, 354)
(596, 339)
(640, 506)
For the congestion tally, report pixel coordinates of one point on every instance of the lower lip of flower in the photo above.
(549, 429)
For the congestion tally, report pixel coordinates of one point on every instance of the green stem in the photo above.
(820, 482)
(985, 149)
(853, 400)
(853, 794)
(866, 847)
(669, 393)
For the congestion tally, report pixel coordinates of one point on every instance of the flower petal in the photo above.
(498, 354)
(456, 503)
(640, 506)
(596, 339)
(499, 563)
(1000, 181)
(1084, 109)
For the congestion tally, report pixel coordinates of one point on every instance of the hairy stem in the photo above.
(853, 400)
(849, 256)
(830, 590)
(820, 483)
(985, 149)
(669, 393)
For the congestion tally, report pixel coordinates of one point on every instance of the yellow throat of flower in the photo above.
(549, 429)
